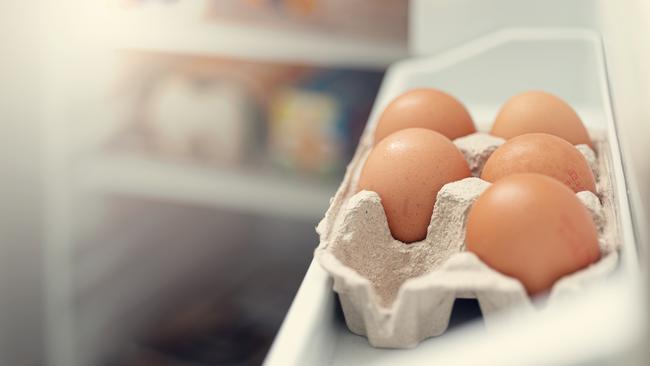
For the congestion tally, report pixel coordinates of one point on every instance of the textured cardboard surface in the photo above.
(397, 294)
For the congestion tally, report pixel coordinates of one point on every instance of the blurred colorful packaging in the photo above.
(314, 125)
(247, 114)
(211, 121)
(371, 19)
(305, 131)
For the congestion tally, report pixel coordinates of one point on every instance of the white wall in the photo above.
(626, 32)
(436, 25)
(21, 295)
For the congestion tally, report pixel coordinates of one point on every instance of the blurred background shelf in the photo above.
(131, 175)
(197, 147)
(160, 30)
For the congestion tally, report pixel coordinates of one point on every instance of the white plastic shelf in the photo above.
(161, 30)
(247, 191)
(313, 334)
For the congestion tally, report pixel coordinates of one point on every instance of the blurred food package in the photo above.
(243, 114)
(381, 19)
(210, 121)
(306, 131)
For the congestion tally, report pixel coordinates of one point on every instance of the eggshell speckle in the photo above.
(541, 153)
(425, 108)
(537, 111)
(407, 169)
(533, 228)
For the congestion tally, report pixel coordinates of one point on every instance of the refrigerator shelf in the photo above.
(161, 30)
(143, 177)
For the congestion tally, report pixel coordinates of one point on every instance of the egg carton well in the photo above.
(397, 295)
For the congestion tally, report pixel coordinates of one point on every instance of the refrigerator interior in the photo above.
(158, 249)
(190, 153)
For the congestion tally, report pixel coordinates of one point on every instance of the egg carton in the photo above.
(398, 295)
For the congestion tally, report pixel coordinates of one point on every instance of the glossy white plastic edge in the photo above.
(629, 252)
(306, 336)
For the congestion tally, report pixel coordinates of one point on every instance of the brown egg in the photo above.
(407, 169)
(537, 111)
(544, 154)
(533, 228)
(425, 108)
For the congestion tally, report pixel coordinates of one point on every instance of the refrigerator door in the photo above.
(314, 332)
